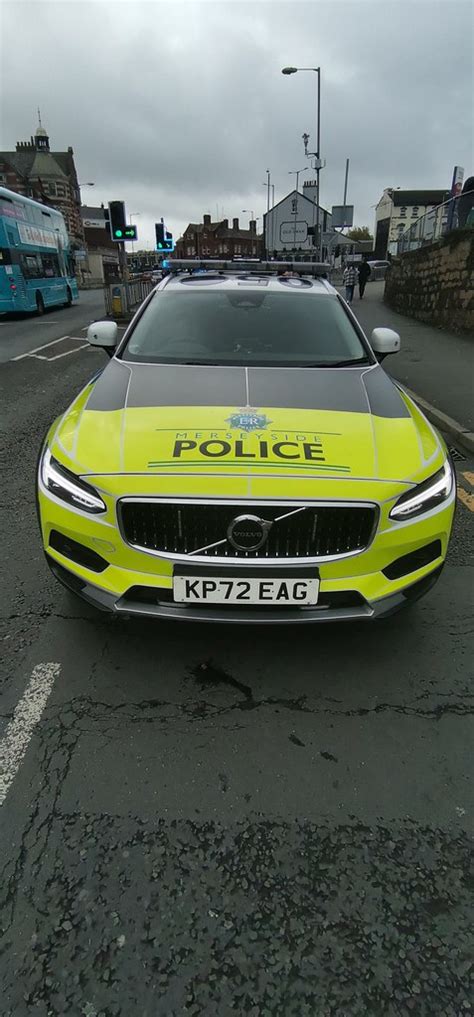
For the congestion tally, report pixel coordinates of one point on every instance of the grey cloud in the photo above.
(179, 107)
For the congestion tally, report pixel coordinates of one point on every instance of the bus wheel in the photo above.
(39, 304)
(69, 298)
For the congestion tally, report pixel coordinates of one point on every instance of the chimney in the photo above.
(207, 220)
(235, 224)
(225, 223)
(253, 225)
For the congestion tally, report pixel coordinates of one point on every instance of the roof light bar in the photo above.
(249, 265)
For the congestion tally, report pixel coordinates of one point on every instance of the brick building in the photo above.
(33, 170)
(101, 263)
(217, 240)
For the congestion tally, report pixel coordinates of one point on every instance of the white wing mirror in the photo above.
(103, 333)
(384, 341)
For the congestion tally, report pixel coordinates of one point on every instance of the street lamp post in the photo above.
(268, 185)
(317, 153)
(251, 212)
(90, 183)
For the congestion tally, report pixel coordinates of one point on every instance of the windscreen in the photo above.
(245, 327)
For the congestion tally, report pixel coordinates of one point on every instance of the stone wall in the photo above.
(436, 283)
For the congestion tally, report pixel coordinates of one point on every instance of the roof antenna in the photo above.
(39, 117)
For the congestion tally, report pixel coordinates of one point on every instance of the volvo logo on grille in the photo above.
(248, 533)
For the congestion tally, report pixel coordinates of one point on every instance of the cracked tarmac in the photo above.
(211, 821)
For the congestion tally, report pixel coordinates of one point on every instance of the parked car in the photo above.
(244, 457)
(378, 269)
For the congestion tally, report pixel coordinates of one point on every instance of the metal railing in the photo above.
(457, 213)
(122, 299)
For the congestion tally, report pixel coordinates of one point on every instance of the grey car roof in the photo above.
(252, 281)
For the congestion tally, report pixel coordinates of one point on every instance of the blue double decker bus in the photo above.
(36, 263)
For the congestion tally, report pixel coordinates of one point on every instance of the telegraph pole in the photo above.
(345, 183)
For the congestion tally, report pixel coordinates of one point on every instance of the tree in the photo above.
(359, 233)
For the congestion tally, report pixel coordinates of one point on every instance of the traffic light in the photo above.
(117, 220)
(164, 240)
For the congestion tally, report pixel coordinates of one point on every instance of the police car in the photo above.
(243, 457)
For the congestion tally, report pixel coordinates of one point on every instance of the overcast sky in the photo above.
(178, 107)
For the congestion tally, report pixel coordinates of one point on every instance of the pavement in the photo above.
(436, 365)
(212, 821)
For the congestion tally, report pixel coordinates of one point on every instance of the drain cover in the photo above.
(456, 454)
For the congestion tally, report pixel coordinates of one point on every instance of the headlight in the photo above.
(69, 488)
(426, 496)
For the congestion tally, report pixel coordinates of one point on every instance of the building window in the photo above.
(403, 212)
(190, 249)
(3, 178)
(237, 248)
(60, 190)
(414, 212)
(190, 236)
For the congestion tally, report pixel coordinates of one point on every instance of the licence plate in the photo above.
(216, 590)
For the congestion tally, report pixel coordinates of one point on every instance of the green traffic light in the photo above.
(118, 233)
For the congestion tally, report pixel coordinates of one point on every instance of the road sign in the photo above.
(342, 215)
(293, 232)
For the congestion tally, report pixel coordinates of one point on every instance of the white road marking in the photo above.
(36, 355)
(38, 348)
(67, 353)
(27, 713)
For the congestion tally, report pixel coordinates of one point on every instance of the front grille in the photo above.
(326, 601)
(316, 531)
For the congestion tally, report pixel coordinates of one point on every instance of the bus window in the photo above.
(31, 266)
(50, 265)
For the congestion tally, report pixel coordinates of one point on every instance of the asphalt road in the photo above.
(21, 334)
(215, 821)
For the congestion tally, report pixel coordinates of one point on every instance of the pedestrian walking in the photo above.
(364, 273)
(349, 280)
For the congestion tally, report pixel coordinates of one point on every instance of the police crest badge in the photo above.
(248, 420)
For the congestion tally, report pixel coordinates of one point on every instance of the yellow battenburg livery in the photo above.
(244, 457)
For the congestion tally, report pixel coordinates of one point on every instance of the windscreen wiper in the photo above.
(338, 363)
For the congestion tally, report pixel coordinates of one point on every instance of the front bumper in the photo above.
(138, 602)
(134, 582)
